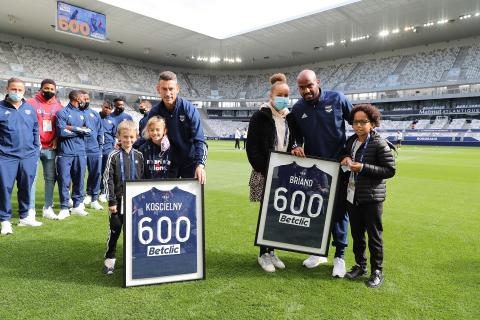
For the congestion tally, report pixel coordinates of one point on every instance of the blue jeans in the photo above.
(47, 157)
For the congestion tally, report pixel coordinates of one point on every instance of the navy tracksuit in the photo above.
(94, 149)
(187, 141)
(71, 156)
(19, 151)
(109, 128)
(320, 127)
(120, 116)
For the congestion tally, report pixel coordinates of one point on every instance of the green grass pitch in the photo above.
(432, 256)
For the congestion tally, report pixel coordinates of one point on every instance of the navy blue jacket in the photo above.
(119, 117)
(187, 141)
(156, 163)
(19, 131)
(320, 126)
(109, 131)
(93, 142)
(71, 142)
(143, 123)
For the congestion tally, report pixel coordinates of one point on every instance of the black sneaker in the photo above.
(106, 270)
(376, 279)
(356, 272)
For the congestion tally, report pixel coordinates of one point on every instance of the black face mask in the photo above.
(84, 106)
(48, 95)
(142, 111)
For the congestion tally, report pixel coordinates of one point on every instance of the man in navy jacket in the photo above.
(320, 117)
(71, 158)
(19, 151)
(188, 148)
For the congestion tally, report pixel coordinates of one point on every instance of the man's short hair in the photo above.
(12, 80)
(167, 76)
(74, 94)
(118, 99)
(83, 91)
(48, 81)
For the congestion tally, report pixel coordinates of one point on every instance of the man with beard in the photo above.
(319, 127)
(119, 114)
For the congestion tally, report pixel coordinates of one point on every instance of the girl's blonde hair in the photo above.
(126, 125)
(152, 121)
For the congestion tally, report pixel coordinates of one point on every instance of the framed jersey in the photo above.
(164, 237)
(299, 199)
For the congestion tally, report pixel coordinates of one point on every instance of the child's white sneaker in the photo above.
(266, 263)
(277, 263)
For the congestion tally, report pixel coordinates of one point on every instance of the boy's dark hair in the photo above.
(370, 110)
(74, 94)
(48, 81)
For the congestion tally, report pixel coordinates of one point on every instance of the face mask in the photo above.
(86, 105)
(164, 144)
(280, 103)
(48, 95)
(81, 105)
(142, 111)
(15, 96)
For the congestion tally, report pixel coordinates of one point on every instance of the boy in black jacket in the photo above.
(370, 160)
(123, 164)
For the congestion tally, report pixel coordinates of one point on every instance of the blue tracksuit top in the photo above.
(19, 131)
(71, 142)
(185, 132)
(119, 117)
(321, 126)
(142, 123)
(109, 131)
(94, 141)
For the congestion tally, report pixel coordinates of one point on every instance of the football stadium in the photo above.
(240, 160)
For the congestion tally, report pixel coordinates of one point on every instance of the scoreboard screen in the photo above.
(81, 22)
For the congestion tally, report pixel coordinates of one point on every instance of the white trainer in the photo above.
(277, 263)
(48, 213)
(103, 198)
(64, 213)
(29, 220)
(87, 200)
(339, 269)
(79, 211)
(314, 261)
(266, 263)
(70, 202)
(95, 205)
(6, 228)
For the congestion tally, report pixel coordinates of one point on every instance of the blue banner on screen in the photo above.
(164, 233)
(81, 22)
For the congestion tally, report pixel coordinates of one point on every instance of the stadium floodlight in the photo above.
(443, 21)
(409, 28)
(383, 33)
(394, 31)
(465, 16)
(330, 44)
(238, 60)
(343, 41)
(428, 24)
(218, 19)
(214, 59)
(477, 14)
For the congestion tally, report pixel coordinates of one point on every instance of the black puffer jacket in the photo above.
(378, 165)
(261, 138)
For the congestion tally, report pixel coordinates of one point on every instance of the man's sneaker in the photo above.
(87, 200)
(356, 272)
(109, 266)
(266, 263)
(339, 269)
(79, 211)
(70, 202)
(95, 205)
(48, 213)
(6, 228)
(277, 263)
(29, 220)
(376, 279)
(103, 198)
(314, 261)
(64, 213)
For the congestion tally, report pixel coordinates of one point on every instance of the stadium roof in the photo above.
(362, 27)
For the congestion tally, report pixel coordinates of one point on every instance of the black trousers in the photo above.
(237, 143)
(264, 249)
(367, 218)
(116, 223)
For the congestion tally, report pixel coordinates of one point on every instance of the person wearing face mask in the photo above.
(268, 130)
(144, 108)
(319, 130)
(119, 113)
(109, 132)
(46, 106)
(71, 160)
(19, 151)
(93, 147)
